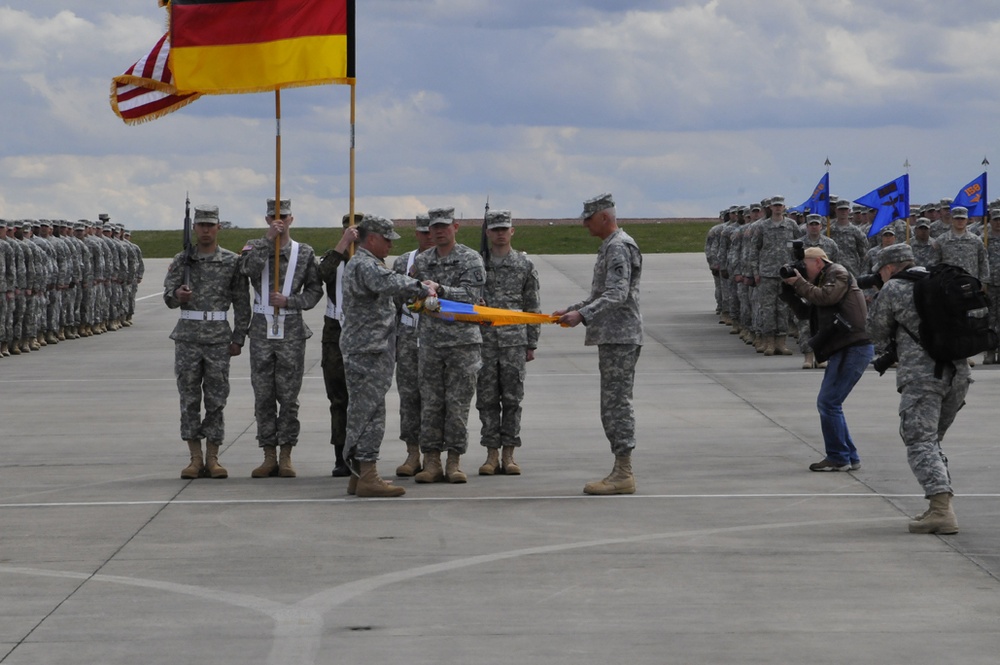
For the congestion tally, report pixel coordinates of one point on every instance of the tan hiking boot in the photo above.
(508, 464)
(619, 481)
(370, 484)
(451, 471)
(779, 346)
(411, 466)
(492, 463)
(432, 472)
(269, 467)
(197, 466)
(808, 361)
(940, 518)
(212, 466)
(285, 468)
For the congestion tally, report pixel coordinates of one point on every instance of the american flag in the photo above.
(146, 90)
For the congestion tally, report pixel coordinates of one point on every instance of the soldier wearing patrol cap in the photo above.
(331, 271)
(771, 251)
(204, 284)
(368, 343)
(278, 338)
(511, 283)
(407, 361)
(614, 324)
(449, 354)
(851, 241)
(925, 248)
(7, 268)
(960, 248)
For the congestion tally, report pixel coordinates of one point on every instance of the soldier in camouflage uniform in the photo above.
(711, 250)
(203, 340)
(851, 242)
(36, 262)
(942, 224)
(771, 251)
(16, 284)
(449, 350)
(407, 356)
(928, 403)
(368, 342)
(331, 271)
(991, 238)
(925, 248)
(278, 340)
(614, 325)
(960, 248)
(95, 286)
(511, 283)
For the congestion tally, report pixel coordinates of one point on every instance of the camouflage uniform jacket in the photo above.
(307, 287)
(512, 283)
(461, 276)
(893, 309)
(369, 310)
(611, 312)
(712, 246)
(926, 253)
(216, 283)
(853, 246)
(771, 250)
(824, 243)
(408, 322)
(965, 251)
(993, 252)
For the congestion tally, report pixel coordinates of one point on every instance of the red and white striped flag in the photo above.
(146, 90)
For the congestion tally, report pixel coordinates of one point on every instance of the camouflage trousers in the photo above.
(8, 320)
(773, 311)
(447, 382)
(616, 363)
(925, 414)
(718, 291)
(202, 372)
(499, 391)
(746, 311)
(276, 368)
(53, 314)
(333, 378)
(734, 299)
(408, 387)
(803, 326)
(369, 377)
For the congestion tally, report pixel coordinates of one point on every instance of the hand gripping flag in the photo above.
(146, 90)
(819, 202)
(973, 197)
(450, 310)
(891, 201)
(232, 46)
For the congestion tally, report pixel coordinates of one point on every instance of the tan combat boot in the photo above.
(269, 467)
(352, 485)
(197, 466)
(285, 468)
(52, 338)
(940, 518)
(808, 361)
(4, 351)
(40, 341)
(212, 466)
(510, 467)
(432, 472)
(33, 344)
(371, 485)
(779, 346)
(619, 481)
(736, 329)
(62, 334)
(451, 471)
(492, 463)
(769, 345)
(411, 466)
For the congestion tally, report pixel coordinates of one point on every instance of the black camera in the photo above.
(799, 254)
(886, 359)
(870, 281)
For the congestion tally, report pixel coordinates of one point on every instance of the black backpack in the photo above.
(954, 313)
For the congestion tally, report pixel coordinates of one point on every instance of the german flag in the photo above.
(230, 46)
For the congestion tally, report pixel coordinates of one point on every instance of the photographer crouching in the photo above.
(829, 296)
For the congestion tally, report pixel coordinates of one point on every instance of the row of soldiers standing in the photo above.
(64, 280)
(747, 248)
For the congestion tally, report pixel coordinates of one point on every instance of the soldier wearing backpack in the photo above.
(931, 391)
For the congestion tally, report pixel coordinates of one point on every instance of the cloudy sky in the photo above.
(680, 108)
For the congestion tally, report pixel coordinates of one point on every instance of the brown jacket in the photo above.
(833, 292)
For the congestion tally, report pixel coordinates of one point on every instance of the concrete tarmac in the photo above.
(730, 552)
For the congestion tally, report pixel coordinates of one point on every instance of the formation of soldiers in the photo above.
(64, 280)
(747, 248)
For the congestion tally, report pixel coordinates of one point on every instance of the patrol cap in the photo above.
(79, 226)
(345, 221)
(104, 217)
(45, 222)
(958, 212)
(423, 222)
(498, 219)
(898, 253)
(816, 253)
(922, 222)
(946, 202)
(25, 224)
(777, 201)
(888, 231)
(755, 206)
(814, 219)
(378, 225)
(206, 214)
(595, 205)
(286, 207)
(843, 204)
(995, 213)
(440, 216)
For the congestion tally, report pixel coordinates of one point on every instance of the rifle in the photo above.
(484, 239)
(188, 244)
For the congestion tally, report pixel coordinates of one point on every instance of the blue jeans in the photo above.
(843, 371)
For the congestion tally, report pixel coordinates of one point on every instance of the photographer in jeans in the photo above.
(829, 296)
